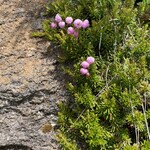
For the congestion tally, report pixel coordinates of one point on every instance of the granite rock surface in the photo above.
(31, 83)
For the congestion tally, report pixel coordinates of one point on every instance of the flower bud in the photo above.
(88, 74)
(76, 33)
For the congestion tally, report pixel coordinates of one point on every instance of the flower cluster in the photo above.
(73, 26)
(85, 65)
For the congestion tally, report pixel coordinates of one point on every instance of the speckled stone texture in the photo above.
(31, 84)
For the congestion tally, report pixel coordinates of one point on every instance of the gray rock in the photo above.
(31, 85)
(19, 10)
(37, 25)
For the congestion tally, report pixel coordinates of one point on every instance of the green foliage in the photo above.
(110, 109)
(65, 142)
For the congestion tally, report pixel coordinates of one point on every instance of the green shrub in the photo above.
(110, 108)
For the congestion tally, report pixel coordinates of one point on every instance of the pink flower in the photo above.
(90, 60)
(85, 64)
(61, 24)
(76, 33)
(58, 18)
(70, 30)
(83, 71)
(78, 23)
(53, 25)
(69, 20)
(85, 24)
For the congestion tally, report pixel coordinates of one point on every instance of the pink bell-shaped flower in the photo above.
(85, 24)
(83, 71)
(53, 25)
(90, 60)
(69, 20)
(85, 64)
(78, 23)
(70, 30)
(58, 18)
(61, 24)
